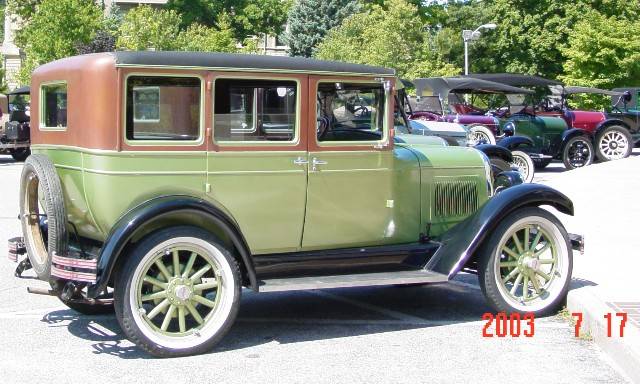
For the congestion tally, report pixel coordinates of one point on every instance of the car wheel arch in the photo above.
(162, 212)
(462, 242)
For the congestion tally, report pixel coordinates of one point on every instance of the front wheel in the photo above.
(178, 293)
(523, 163)
(481, 135)
(526, 264)
(614, 143)
(577, 153)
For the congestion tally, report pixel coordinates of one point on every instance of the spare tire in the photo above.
(41, 197)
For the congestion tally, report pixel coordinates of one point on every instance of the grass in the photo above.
(565, 315)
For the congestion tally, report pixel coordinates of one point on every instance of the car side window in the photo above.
(248, 110)
(350, 112)
(163, 108)
(53, 114)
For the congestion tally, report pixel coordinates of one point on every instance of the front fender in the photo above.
(512, 142)
(495, 151)
(157, 209)
(461, 242)
(570, 134)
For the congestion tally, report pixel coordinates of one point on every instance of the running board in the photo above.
(357, 280)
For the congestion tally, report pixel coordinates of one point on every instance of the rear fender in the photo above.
(461, 242)
(609, 122)
(159, 211)
(514, 142)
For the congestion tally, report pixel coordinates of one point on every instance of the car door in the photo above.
(257, 163)
(360, 191)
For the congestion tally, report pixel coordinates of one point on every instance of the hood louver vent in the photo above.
(455, 197)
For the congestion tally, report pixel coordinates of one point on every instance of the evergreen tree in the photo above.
(310, 20)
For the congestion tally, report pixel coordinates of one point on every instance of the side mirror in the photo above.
(626, 96)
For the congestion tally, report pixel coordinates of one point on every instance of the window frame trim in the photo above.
(276, 143)
(169, 143)
(41, 106)
(384, 140)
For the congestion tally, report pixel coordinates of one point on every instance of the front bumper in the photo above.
(577, 242)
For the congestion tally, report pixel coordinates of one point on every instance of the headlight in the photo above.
(509, 129)
(488, 173)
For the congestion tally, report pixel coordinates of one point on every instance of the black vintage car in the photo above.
(15, 134)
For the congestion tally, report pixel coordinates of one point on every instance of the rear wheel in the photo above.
(178, 293)
(523, 163)
(578, 152)
(526, 264)
(613, 143)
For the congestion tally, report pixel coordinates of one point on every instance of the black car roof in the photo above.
(444, 85)
(515, 79)
(569, 90)
(20, 91)
(242, 62)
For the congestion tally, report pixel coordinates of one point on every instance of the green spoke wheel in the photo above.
(182, 292)
(526, 264)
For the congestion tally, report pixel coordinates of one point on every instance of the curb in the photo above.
(623, 351)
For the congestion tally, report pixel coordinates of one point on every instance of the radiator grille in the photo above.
(454, 198)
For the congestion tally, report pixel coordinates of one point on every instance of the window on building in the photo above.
(254, 110)
(163, 108)
(54, 106)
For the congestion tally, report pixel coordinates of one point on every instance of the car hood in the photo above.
(431, 156)
(437, 128)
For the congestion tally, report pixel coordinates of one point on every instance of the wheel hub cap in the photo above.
(179, 291)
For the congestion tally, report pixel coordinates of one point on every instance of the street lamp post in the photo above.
(469, 35)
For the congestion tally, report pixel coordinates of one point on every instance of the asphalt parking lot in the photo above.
(383, 334)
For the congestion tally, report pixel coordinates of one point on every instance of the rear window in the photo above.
(53, 99)
(163, 108)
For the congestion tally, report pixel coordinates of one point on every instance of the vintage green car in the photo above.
(162, 183)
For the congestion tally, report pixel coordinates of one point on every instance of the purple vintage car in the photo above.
(432, 92)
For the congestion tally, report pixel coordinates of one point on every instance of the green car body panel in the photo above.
(546, 132)
(386, 197)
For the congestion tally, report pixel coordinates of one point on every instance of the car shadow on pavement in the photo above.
(293, 317)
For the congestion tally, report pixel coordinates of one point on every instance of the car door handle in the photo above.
(315, 162)
(300, 161)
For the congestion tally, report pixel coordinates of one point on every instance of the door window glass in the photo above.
(254, 110)
(163, 108)
(350, 112)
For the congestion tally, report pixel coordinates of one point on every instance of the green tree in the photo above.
(55, 30)
(604, 52)
(198, 37)
(391, 36)
(310, 20)
(248, 17)
(23, 9)
(145, 27)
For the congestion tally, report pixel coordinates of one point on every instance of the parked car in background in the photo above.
(15, 129)
(502, 159)
(544, 136)
(438, 99)
(205, 173)
(611, 136)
